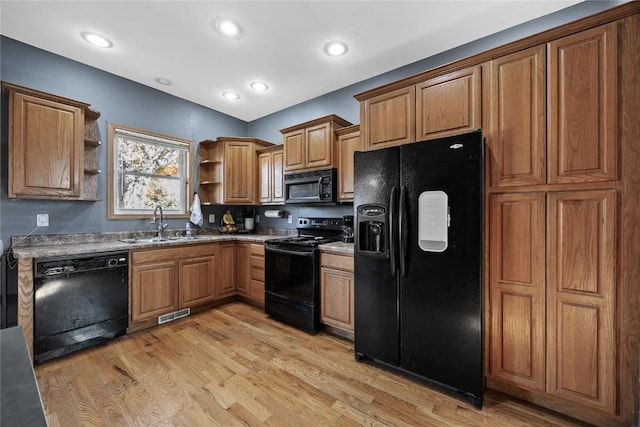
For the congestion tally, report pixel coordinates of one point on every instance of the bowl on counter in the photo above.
(228, 229)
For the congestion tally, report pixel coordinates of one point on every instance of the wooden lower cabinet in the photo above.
(168, 279)
(154, 290)
(517, 289)
(243, 276)
(581, 295)
(256, 287)
(336, 292)
(196, 281)
(552, 298)
(226, 284)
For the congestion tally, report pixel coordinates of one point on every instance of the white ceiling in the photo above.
(281, 44)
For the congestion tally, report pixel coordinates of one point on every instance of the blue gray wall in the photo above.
(342, 102)
(122, 101)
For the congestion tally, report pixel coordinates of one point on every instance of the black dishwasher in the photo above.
(79, 301)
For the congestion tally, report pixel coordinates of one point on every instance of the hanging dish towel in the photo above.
(196, 211)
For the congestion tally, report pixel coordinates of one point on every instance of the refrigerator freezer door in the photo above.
(441, 295)
(377, 328)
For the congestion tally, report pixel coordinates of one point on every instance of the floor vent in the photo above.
(173, 316)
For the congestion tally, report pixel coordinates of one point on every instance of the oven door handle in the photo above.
(287, 252)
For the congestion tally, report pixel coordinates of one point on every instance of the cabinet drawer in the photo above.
(257, 262)
(257, 274)
(166, 254)
(257, 249)
(339, 262)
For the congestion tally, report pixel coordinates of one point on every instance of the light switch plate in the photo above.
(290, 219)
(42, 220)
(212, 218)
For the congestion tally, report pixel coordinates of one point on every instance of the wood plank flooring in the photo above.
(234, 366)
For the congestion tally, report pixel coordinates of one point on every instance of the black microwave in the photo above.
(311, 187)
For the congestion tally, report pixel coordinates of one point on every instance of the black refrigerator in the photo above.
(418, 261)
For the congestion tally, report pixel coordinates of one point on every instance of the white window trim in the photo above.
(116, 130)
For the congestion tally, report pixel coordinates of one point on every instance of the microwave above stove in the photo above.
(311, 187)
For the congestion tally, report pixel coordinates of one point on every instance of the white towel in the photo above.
(196, 211)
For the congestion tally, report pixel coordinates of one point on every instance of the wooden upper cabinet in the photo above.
(514, 88)
(389, 119)
(310, 145)
(319, 145)
(581, 298)
(46, 147)
(582, 70)
(294, 150)
(228, 170)
(239, 172)
(517, 289)
(349, 142)
(449, 104)
(271, 175)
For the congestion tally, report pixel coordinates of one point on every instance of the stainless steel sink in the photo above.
(148, 240)
(163, 239)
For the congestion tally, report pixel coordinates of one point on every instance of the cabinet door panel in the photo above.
(226, 268)
(581, 297)
(516, 118)
(582, 106)
(46, 149)
(277, 176)
(238, 173)
(294, 150)
(517, 289)
(154, 290)
(243, 267)
(389, 119)
(264, 166)
(449, 104)
(336, 300)
(347, 144)
(197, 277)
(319, 146)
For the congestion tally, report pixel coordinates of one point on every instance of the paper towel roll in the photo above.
(272, 213)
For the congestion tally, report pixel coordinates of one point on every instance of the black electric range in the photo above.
(292, 272)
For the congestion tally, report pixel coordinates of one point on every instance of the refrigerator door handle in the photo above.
(392, 230)
(402, 231)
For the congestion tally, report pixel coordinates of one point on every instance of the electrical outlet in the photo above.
(257, 219)
(290, 219)
(212, 218)
(42, 220)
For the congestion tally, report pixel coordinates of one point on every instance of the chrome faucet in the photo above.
(161, 225)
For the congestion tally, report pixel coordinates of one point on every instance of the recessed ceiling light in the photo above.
(335, 48)
(228, 28)
(163, 81)
(231, 95)
(259, 86)
(96, 39)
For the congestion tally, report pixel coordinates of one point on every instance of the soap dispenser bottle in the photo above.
(187, 230)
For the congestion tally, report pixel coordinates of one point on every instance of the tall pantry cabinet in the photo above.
(560, 114)
(550, 121)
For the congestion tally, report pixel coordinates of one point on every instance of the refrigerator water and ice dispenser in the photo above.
(372, 230)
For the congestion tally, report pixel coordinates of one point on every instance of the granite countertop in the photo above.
(95, 246)
(20, 402)
(338, 248)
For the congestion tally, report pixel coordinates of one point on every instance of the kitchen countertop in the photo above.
(76, 248)
(338, 248)
(20, 402)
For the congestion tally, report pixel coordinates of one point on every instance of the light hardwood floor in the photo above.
(234, 366)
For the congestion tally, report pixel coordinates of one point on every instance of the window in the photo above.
(147, 170)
